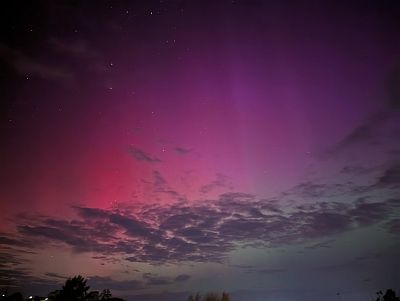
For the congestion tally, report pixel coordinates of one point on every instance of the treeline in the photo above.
(74, 289)
(210, 297)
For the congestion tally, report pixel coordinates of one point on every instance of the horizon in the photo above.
(164, 148)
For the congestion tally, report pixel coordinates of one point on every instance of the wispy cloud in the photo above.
(182, 150)
(140, 155)
(99, 282)
(27, 66)
(378, 127)
(221, 181)
(203, 232)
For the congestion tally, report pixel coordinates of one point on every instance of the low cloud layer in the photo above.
(199, 233)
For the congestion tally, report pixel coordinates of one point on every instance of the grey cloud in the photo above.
(98, 282)
(324, 244)
(140, 155)
(182, 278)
(393, 226)
(159, 182)
(355, 170)
(270, 271)
(161, 186)
(55, 275)
(8, 240)
(318, 190)
(358, 135)
(152, 279)
(204, 232)
(25, 66)
(182, 150)
(391, 177)
(221, 181)
(165, 296)
(78, 48)
(369, 213)
(377, 126)
(393, 88)
(131, 225)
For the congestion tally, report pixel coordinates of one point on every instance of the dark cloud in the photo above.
(21, 279)
(270, 271)
(242, 266)
(8, 240)
(355, 170)
(140, 155)
(391, 177)
(182, 278)
(393, 88)
(324, 244)
(152, 279)
(160, 185)
(380, 127)
(236, 196)
(221, 181)
(360, 134)
(74, 47)
(315, 190)
(369, 213)
(159, 182)
(99, 283)
(182, 150)
(165, 296)
(27, 66)
(204, 232)
(393, 226)
(132, 226)
(55, 275)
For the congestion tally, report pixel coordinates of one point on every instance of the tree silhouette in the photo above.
(15, 297)
(105, 295)
(74, 289)
(195, 298)
(390, 295)
(225, 297)
(210, 297)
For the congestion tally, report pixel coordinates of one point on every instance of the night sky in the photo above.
(160, 148)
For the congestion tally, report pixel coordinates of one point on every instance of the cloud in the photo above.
(203, 232)
(8, 240)
(75, 47)
(165, 296)
(155, 280)
(21, 279)
(221, 181)
(182, 278)
(369, 213)
(140, 155)
(391, 177)
(183, 151)
(355, 170)
(313, 190)
(98, 282)
(159, 182)
(393, 226)
(55, 275)
(270, 271)
(152, 279)
(324, 244)
(393, 88)
(27, 66)
(380, 127)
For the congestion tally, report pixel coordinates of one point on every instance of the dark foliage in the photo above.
(210, 297)
(390, 295)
